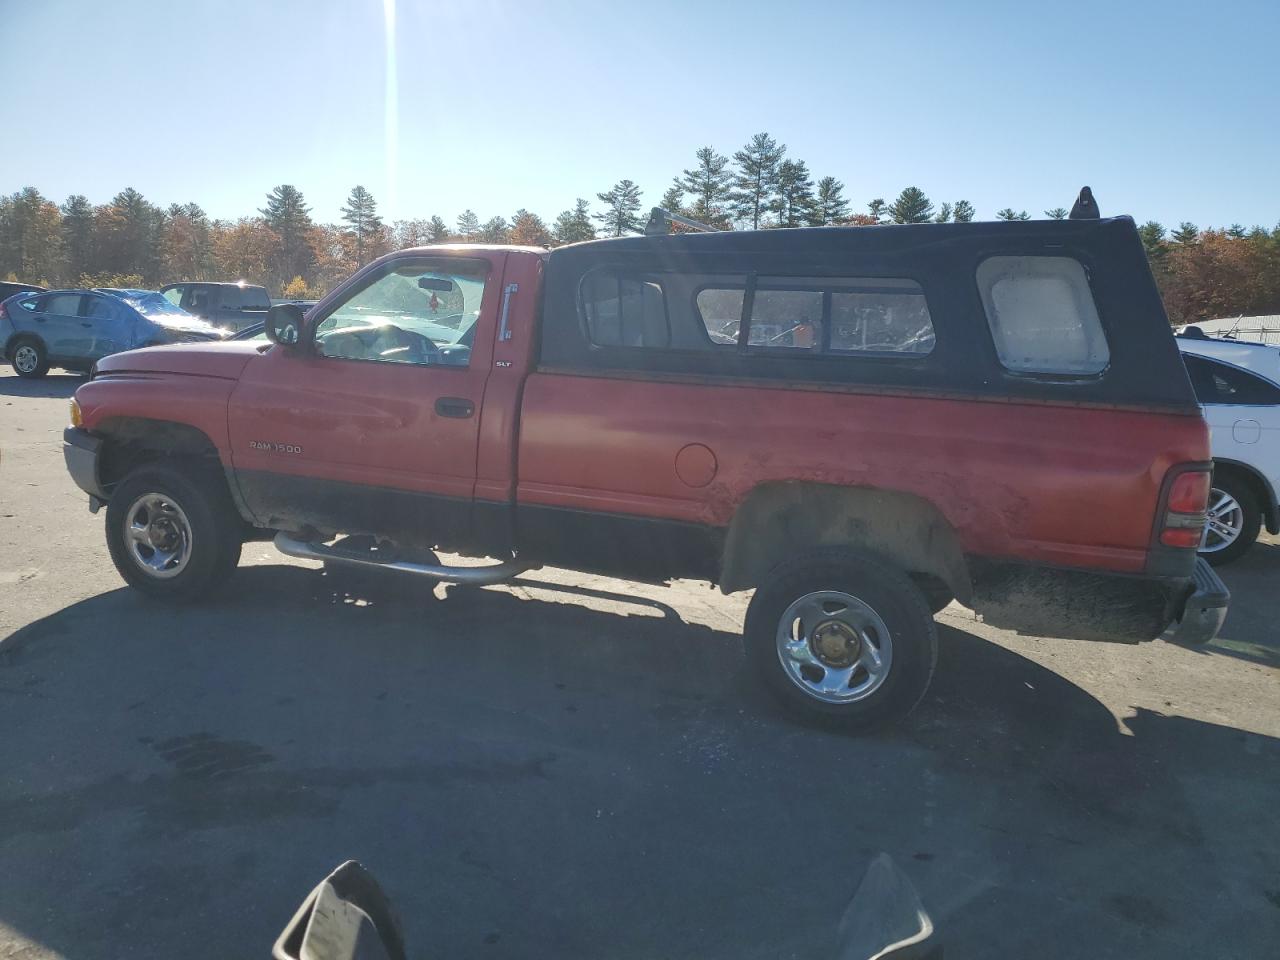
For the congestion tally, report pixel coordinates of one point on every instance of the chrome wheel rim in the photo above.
(1225, 521)
(834, 647)
(26, 359)
(158, 536)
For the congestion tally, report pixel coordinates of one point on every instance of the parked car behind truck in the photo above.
(1238, 384)
(231, 305)
(1019, 435)
(74, 329)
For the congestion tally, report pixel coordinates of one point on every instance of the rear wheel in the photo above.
(1235, 520)
(842, 639)
(173, 532)
(30, 358)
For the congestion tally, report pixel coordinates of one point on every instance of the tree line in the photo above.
(129, 241)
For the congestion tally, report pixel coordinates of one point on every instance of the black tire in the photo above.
(890, 594)
(215, 530)
(1251, 518)
(42, 358)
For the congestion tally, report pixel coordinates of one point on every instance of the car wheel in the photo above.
(842, 639)
(1235, 518)
(173, 533)
(30, 359)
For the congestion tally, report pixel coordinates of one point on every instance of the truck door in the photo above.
(371, 425)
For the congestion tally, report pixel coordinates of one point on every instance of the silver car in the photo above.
(73, 329)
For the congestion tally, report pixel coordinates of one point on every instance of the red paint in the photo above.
(1064, 485)
(1071, 485)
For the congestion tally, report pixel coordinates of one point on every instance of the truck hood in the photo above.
(225, 360)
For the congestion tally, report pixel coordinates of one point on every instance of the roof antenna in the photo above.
(1086, 208)
(660, 222)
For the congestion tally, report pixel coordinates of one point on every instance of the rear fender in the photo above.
(779, 521)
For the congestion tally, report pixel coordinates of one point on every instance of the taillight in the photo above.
(1184, 509)
(4, 314)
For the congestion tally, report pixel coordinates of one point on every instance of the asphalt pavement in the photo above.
(573, 766)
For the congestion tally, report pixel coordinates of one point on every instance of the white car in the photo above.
(1238, 385)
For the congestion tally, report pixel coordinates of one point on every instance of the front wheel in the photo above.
(30, 359)
(173, 533)
(842, 639)
(1234, 521)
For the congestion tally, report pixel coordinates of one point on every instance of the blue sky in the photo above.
(1170, 111)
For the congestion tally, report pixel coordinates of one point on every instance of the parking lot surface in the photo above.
(573, 766)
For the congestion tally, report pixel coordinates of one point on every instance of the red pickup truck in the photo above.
(860, 424)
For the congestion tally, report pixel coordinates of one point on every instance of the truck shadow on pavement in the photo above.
(53, 385)
(582, 773)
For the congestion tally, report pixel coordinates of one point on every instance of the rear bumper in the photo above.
(1204, 609)
(80, 451)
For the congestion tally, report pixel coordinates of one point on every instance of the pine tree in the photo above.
(361, 215)
(468, 225)
(574, 226)
(709, 185)
(1236, 231)
(622, 203)
(1008, 213)
(963, 212)
(1187, 232)
(30, 236)
(529, 230)
(437, 231)
(673, 200)
(829, 206)
(77, 236)
(911, 206)
(1153, 241)
(495, 230)
(186, 248)
(794, 200)
(876, 208)
(944, 214)
(128, 233)
(288, 216)
(756, 178)
(1057, 213)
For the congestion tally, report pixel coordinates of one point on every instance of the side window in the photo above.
(32, 303)
(788, 319)
(1200, 372)
(837, 315)
(62, 304)
(1233, 385)
(720, 310)
(174, 295)
(199, 298)
(1042, 315)
(625, 310)
(884, 316)
(255, 298)
(100, 308)
(229, 297)
(413, 311)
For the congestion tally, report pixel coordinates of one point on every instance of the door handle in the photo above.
(457, 407)
(86, 324)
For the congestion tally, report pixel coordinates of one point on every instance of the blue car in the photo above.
(74, 329)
